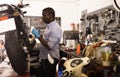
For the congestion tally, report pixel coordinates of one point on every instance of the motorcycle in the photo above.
(18, 38)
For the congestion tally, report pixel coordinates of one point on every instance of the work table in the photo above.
(68, 52)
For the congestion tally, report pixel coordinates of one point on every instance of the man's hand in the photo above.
(36, 33)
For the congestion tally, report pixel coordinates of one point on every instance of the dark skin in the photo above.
(47, 18)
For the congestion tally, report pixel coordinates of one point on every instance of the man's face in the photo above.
(46, 17)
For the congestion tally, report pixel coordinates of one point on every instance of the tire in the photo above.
(15, 52)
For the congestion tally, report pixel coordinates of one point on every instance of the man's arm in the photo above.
(45, 43)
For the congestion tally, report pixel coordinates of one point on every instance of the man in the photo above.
(49, 51)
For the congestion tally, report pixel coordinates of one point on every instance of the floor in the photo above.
(7, 71)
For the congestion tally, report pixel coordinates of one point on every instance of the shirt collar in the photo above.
(50, 24)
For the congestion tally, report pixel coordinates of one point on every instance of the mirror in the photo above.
(116, 4)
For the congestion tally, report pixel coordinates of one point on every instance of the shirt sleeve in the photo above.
(53, 40)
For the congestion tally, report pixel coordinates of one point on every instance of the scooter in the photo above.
(72, 67)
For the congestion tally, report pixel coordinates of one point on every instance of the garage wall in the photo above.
(67, 11)
(92, 5)
(9, 1)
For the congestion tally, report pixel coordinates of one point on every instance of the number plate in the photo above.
(7, 25)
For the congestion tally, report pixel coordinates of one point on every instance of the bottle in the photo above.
(78, 49)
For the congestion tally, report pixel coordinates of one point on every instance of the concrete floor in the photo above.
(7, 71)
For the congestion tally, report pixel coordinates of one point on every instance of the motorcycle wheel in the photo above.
(15, 52)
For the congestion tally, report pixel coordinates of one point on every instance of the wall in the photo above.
(92, 5)
(67, 11)
(9, 1)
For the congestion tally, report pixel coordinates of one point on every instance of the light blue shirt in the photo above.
(52, 35)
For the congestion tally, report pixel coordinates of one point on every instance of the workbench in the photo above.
(69, 53)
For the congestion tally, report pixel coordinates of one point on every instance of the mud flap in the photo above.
(15, 52)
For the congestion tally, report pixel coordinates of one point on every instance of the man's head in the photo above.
(48, 15)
